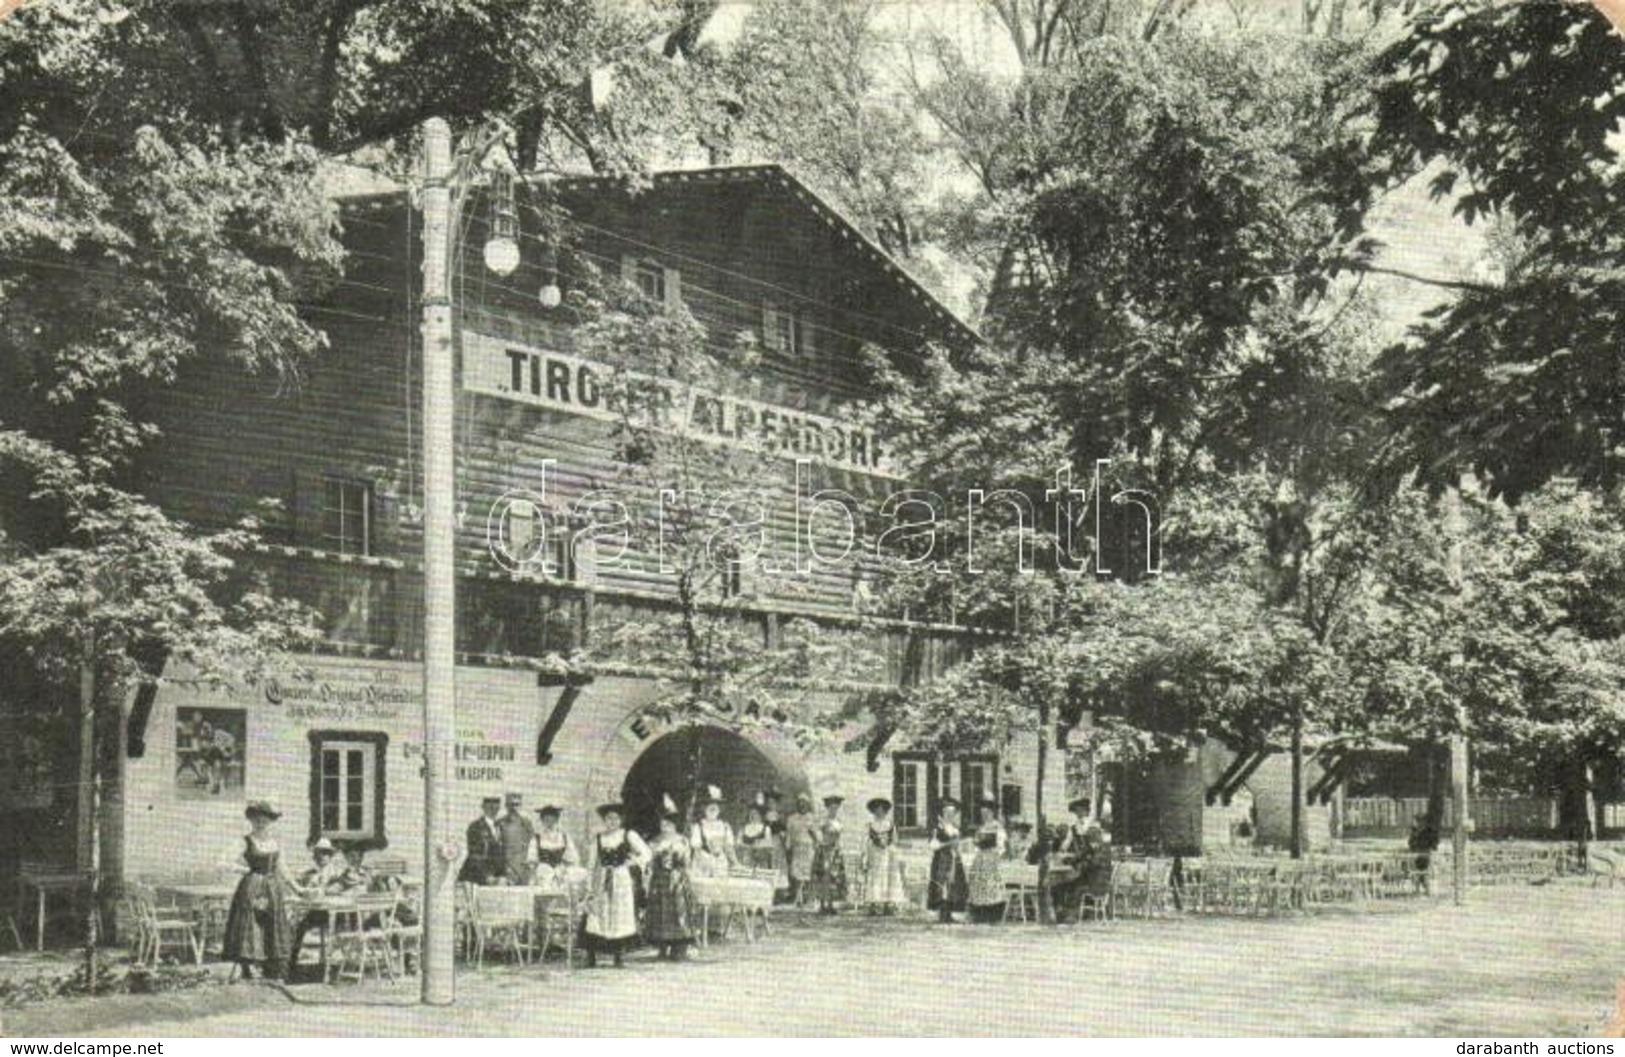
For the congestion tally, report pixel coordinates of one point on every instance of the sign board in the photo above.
(559, 382)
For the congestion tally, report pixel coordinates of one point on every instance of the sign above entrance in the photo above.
(553, 380)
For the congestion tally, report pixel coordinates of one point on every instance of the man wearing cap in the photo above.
(326, 877)
(485, 861)
(518, 833)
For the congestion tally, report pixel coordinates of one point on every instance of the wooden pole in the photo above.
(439, 568)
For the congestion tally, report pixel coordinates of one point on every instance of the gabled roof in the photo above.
(777, 177)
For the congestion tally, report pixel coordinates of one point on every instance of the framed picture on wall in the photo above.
(211, 749)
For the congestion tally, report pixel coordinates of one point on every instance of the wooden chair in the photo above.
(560, 922)
(1101, 906)
(155, 926)
(1602, 866)
(362, 937)
(508, 930)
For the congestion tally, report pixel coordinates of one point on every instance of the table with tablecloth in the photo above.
(747, 898)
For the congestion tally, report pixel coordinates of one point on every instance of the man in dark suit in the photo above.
(485, 861)
(517, 834)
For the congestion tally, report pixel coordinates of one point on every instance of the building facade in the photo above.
(755, 258)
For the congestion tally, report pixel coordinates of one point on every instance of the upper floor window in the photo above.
(653, 280)
(346, 516)
(785, 331)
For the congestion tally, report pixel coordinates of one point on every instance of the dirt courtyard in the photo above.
(1538, 961)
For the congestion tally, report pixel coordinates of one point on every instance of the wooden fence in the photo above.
(1492, 817)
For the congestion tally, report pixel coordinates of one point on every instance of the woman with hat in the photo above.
(1085, 850)
(712, 838)
(984, 891)
(829, 862)
(757, 845)
(883, 890)
(668, 920)
(258, 932)
(800, 847)
(551, 850)
(948, 890)
(612, 910)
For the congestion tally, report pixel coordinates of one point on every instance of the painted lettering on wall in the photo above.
(363, 694)
(554, 380)
(477, 758)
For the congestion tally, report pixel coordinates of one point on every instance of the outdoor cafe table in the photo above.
(744, 895)
(535, 902)
(204, 903)
(45, 883)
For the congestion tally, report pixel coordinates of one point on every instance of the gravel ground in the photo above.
(1516, 961)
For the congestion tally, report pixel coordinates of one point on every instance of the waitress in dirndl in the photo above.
(949, 890)
(612, 909)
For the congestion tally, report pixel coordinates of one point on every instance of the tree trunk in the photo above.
(1046, 912)
(89, 812)
(1296, 843)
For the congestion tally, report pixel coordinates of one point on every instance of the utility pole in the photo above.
(439, 570)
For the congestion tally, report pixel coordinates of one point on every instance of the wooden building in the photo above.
(745, 250)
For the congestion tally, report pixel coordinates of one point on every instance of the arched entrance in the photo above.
(685, 759)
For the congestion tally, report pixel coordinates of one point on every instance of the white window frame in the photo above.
(340, 543)
(342, 748)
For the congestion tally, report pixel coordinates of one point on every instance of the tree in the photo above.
(1510, 112)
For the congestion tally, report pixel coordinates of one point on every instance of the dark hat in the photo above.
(772, 793)
(550, 811)
(833, 801)
(490, 800)
(879, 803)
(261, 808)
(948, 802)
(1021, 826)
(1080, 804)
(611, 809)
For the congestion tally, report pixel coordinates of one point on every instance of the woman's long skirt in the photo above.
(669, 916)
(612, 914)
(257, 925)
(883, 881)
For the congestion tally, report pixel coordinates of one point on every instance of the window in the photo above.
(784, 331)
(347, 787)
(653, 280)
(908, 787)
(650, 279)
(346, 516)
(921, 782)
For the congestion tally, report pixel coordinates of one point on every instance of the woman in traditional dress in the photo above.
(883, 890)
(756, 841)
(668, 920)
(800, 847)
(985, 891)
(552, 850)
(712, 838)
(829, 862)
(612, 910)
(259, 933)
(948, 889)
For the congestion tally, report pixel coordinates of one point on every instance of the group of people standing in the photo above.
(505, 847)
(967, 875)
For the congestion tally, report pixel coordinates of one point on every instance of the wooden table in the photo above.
(747, 896)
(45, 883)
(207, 903)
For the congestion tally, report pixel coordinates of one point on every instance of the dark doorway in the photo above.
(680, 763)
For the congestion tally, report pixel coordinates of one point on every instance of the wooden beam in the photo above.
(573, 686)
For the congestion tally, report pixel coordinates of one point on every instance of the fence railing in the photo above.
(1491, 816)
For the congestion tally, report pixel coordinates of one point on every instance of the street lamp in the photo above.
(446, 187)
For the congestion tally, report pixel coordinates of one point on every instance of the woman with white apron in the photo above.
(612, 909)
